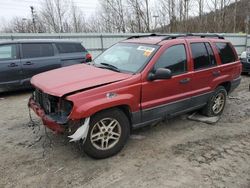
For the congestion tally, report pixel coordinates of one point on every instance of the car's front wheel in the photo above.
(108, 133)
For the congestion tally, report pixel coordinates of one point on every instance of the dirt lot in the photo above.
(177, 153)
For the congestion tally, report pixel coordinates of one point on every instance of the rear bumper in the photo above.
(235, 83)
(47, 121)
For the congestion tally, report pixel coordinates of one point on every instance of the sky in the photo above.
(21, 8)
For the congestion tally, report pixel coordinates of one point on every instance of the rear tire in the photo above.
(216, 103)
(108, 132)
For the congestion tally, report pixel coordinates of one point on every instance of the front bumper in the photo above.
(47, 121)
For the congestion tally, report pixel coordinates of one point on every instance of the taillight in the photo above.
(88, 57)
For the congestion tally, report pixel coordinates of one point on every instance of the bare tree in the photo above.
(201, 12)
(136, 15)
(53, 13)
(235, 15)
(78, 22)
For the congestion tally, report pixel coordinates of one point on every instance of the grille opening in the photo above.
(47, 102)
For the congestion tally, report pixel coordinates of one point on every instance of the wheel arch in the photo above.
(124, 108)
(226, 85)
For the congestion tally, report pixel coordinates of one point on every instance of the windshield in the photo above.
(126, 57)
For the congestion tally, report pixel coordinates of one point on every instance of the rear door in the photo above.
(10, 67)
(71, 53)
(169, 96)
(38, 58)
(205, 70)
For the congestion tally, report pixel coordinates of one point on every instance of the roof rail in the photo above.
(174, 36)
(150, 35)
(193, 35)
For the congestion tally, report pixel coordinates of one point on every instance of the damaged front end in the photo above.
(54, 112)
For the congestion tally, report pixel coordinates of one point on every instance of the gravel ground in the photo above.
(176, 153)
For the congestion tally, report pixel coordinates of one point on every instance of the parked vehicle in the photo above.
(20, 60)
(134, 83)
(245, 60)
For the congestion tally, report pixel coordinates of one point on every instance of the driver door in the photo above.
(167, 97)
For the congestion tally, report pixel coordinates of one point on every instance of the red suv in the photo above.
(136, 82)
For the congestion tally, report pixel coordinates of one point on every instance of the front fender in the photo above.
(89, 108)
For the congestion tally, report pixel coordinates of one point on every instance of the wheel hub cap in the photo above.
(105, 134)
(219, 102)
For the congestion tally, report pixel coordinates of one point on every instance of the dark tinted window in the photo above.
(211, 54)
(70, 47)
(37, 50)
(174, 58)
(8, 52)
(226, 52)
(201, 57)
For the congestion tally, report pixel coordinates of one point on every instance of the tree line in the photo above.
(136, 16)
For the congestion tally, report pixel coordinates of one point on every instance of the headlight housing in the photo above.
(66, 107)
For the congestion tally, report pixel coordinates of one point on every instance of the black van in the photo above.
(20, 60)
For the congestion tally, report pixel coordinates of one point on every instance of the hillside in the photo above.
(219, 21)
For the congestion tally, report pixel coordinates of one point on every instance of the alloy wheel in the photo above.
(105, 134)
(219, 102)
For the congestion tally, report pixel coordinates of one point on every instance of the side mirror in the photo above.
(159, 74)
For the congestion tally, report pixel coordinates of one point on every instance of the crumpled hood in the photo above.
(65, 80)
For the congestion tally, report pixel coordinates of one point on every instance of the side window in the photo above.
(174, 58)
(70, 47)
(211, 54)
(8, 52)
(226, 52)
(37, 50)
(202, 59)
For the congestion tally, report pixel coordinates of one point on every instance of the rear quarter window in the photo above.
(35, 50)
(8, 52)
(70, 47)
(226, 52)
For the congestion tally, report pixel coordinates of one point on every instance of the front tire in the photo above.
(108, 132)
(216, 103)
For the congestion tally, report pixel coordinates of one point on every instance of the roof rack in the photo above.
(174, 36)
(193, 35)
(150, 35)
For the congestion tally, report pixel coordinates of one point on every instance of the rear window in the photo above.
(70, 47)
(8, 52)
(202, 55)
(37, 50)
(226, 52)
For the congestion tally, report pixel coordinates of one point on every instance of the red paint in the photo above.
(46, 120)
(134, 91)
(76, 77)
(88, 57)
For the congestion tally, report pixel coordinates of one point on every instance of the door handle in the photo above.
(216, 73)
(28, 63)
(12, 65)
(185, 80)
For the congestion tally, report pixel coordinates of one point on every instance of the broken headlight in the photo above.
(66, 107)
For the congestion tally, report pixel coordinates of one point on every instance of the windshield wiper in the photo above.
(112, 67)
